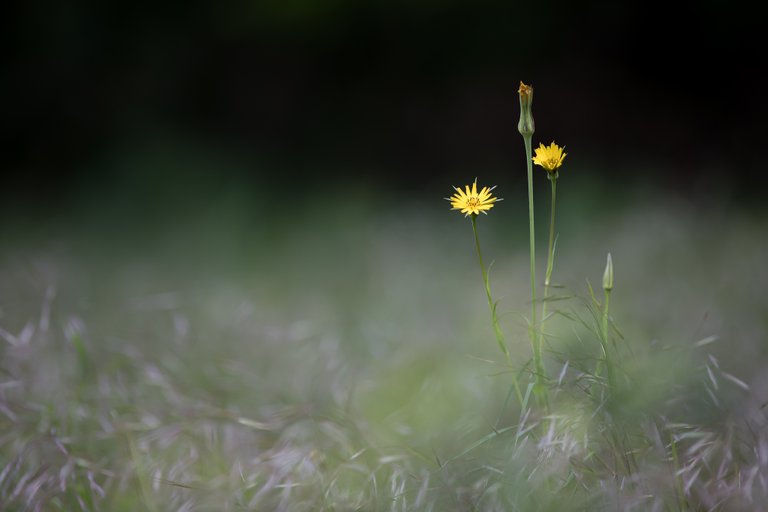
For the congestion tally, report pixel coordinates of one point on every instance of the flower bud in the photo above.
(526, 126)
(608, 275)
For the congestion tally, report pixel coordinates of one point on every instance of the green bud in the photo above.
(526, 126)
(608, 275)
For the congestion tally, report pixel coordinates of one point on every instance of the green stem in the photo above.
(535, 339)
(606, 342)
(550, 254)
(605, 315)
(492, 306)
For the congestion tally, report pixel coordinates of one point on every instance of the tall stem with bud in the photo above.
(526, 127)
(607, 289)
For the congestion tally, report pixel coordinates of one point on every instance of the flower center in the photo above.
(473, 202)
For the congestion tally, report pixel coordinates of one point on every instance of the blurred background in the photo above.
(226, 260)
(135, 107)
(280, 140)
(298, 148)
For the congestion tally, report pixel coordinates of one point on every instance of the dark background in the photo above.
(107, 98)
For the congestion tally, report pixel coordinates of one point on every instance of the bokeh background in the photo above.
(144, 103)
(224, 241)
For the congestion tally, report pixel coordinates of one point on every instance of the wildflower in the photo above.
(526, 126)
(550, 158)
(470, 202)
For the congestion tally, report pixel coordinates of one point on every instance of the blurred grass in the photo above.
(332, 351)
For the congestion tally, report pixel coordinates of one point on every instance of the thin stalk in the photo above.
(550, 255)
(606, 342)
(605, 315)
(492, 306)
(533, 332)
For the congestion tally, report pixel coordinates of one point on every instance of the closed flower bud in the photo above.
(608, 275)
(526, 126)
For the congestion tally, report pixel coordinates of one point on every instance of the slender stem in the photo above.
(492, 306)
(606, 342)
(535, 339)
(550, 255)
(605, 315)
(550, 251)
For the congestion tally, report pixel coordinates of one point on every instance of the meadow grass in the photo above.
(343, 360)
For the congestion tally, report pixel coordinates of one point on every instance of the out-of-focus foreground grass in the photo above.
(339, 356)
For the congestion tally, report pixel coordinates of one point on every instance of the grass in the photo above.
(343, 360)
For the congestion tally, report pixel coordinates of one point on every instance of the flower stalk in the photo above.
(527, 127)
(491, 304)
(551, 245)
(550, 253)
(550, 158)
(607, 289)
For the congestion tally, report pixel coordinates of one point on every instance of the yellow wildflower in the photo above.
(549, 157)
(470, 202)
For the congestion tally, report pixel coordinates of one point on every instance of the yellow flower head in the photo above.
(549, 157)
(470, 202)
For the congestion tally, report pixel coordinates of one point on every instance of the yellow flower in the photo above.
(549, 157)
(470, 202)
